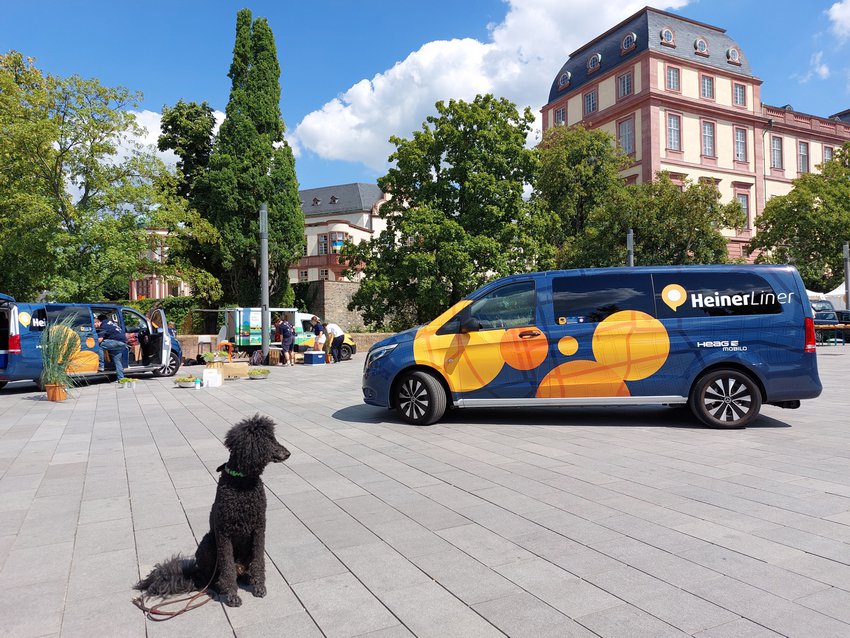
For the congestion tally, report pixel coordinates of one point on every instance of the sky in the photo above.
(355, 72)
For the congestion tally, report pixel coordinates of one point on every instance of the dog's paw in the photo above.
(231, 599)
(259, 591)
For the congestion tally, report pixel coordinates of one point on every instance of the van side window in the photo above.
(717, 295)
(80, 317)
(592, 298)
(511, 306)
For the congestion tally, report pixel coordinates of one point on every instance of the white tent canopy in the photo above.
(837, 296)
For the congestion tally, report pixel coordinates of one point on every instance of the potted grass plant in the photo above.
(59, 343)
(185, 382)
(127, 384)
(259, 373)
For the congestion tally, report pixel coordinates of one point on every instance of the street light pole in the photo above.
(630, 248)
(847, 275)
(264, 278)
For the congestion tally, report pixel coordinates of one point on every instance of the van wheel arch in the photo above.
(726, 397)
(436, 379)
(729, 365)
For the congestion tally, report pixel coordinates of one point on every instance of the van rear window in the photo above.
(716, 295)
(80, 317)
(592, 298)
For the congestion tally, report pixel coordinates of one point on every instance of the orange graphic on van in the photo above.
(627, 346)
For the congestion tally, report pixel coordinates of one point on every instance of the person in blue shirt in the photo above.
(320, 332)
(113, 340)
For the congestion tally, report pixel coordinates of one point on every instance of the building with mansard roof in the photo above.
(680, 96)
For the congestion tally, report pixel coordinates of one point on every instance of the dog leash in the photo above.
(154, 613)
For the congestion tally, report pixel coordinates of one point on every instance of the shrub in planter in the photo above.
(59, 343)
(185, 382)
(127, 384)
(258, 373)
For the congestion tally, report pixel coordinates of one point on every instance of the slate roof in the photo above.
(343, 198)
(647, 25)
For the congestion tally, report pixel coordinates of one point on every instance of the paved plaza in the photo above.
(541, 523)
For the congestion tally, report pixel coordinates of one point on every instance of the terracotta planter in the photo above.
(55, 392)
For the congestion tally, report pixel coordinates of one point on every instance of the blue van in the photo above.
(721, 339)
(152, 349)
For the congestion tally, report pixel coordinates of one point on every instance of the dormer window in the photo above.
(316, 201)
(629, 42)
(733, 56)
(701, 47)
(668, 38)
(334, 199)
(564, 80)
(593, 62)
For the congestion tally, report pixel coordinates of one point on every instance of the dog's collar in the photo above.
(227, 470)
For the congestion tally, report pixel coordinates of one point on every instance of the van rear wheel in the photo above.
(725, 399)
(420, 398)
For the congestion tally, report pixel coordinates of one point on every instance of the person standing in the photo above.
(287, 341)
(320, 332)
(337, 336)
(114, 341)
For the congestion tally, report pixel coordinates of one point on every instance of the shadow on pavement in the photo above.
(650, 416)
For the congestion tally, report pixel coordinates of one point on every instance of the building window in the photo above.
(560, 116)
(323, 244)
(674, 128)
(624, 85)
(316, 201)
(302, 276)
(304, 254)
(827, 153)
(708, 139)
(337, 240)
(803, 157)
(673, 79)
(744, 200)
(776, 152)
(701, 46)
(334, 199)
(740, 145)
(707, 87)
(740, 94)
(628, 43)
(733, 56)
(564, 80)
(591, 102)
(626, 136)
(668, 38)
(593, 62)
(323, 274)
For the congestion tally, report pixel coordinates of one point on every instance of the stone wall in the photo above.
(330, 302)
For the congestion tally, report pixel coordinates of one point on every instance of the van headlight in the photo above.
(378, 353)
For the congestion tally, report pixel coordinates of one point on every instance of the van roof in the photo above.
(6, 297)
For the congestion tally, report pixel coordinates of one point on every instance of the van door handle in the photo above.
(528, 334)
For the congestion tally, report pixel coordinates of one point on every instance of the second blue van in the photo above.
(723, 340)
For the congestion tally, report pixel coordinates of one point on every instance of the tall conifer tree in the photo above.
(250, 165)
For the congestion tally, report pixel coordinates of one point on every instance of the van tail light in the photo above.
(15, 344)
(810, 334)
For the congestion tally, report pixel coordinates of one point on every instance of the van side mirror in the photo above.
(469, 324)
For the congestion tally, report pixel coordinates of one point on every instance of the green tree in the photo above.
(808, 226)
(187, 129)
(251, 164)
(76, 194)
(579, 173)
(457, 217)
(671, 225)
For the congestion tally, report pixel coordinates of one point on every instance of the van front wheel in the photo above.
(420, 399)
(725, 399)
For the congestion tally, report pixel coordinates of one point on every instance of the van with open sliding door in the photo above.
(151, 348)
(723, 340)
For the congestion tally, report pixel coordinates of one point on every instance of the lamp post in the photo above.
(264, 278)
(630, 248)
(847, 275)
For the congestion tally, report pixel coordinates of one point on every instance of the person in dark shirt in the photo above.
(113, 340)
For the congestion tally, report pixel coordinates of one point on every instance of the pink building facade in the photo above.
(680, 96)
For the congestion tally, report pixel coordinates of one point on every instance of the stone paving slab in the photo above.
(543, 522)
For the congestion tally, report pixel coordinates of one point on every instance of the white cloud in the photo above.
(839, 16)
(817, 68)
(519, 62)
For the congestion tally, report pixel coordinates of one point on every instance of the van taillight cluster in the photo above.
(810, 334)
(15, 344)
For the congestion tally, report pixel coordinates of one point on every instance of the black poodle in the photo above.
(235, 545)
